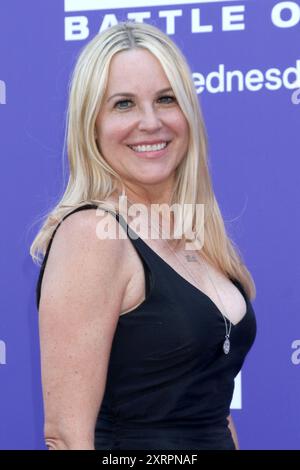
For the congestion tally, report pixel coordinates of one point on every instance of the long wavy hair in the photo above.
(92, 180)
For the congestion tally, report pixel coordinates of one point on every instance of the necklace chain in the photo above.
(226, 344)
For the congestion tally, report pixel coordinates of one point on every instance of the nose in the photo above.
(149, 119)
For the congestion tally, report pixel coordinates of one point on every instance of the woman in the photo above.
(141, 337)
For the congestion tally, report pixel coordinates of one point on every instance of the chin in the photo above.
(153, 177)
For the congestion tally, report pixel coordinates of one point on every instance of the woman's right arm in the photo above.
(83, 286)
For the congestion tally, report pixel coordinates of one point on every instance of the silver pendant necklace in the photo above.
(228, 326)
(226, 343)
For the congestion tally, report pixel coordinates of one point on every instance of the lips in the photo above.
(148, 142)
(149, 148)
(148, 154)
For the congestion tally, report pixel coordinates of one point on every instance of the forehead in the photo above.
(137, 69)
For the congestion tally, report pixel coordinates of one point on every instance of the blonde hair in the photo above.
(91, 178)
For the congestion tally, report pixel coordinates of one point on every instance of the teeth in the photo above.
(148, 148)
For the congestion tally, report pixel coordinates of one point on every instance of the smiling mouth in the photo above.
(149, 149)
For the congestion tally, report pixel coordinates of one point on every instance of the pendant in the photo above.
(226, 345)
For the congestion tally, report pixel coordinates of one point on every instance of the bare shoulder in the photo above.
(89, 228)
(85, 255)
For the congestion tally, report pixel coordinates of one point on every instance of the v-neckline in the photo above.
(191, 286)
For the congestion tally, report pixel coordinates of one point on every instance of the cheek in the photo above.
(183, 134)
(179, 124)
(185, 130)
(113, 132)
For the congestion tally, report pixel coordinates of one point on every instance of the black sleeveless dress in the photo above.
(169, 384)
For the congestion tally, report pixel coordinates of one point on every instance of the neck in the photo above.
(148, 195)
(153, 216)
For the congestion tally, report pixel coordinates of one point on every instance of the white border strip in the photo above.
(236, 402)
(87, 5)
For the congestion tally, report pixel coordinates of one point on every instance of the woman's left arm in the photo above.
(233, 432)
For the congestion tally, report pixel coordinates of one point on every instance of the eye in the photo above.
(120, 102)
(168, 97)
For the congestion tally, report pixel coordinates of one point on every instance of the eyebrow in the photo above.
(125, 93)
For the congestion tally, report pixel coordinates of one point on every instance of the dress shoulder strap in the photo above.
(136, 241)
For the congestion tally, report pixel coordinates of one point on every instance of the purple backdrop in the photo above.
(253, 129)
